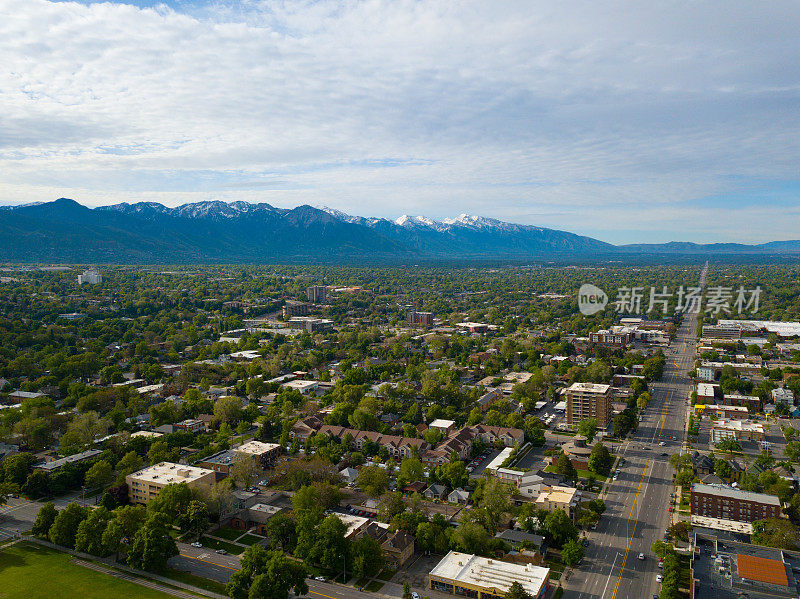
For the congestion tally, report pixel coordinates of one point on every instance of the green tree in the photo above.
(494, 503)
(411, 470)
(66, 524)
(373, 481)
(173, 501)
(564, 467)
(517, 591)
(44, 519)
(99, 475)
(37, 484)
(267, 575)
(776, 532)
(228, 410)
(559, 528)
(152, 544)
(282, 532)
(588, 428)
(245, 471)
(572, 552)
(367, 557)
(471, 537)
(197, 518)
(89, 538)
(600, 459)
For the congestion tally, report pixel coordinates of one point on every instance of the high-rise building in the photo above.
(424, 319)
(292, 308)
(589, 400)
(92, 277)
(317, 293)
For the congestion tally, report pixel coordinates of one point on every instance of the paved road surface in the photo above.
(637, 503)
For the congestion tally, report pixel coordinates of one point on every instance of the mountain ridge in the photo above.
(215, 231)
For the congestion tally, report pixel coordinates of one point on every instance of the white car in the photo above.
(641, 556)
(414, 595)
(197, 544)
(659, 578)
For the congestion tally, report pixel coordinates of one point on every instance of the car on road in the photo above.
(670, 509)
(222, 552)
(659, 578)
(641, 556)
(585, 543)
(197, 544)
(320, 578)
(661, 444)
(414, 595)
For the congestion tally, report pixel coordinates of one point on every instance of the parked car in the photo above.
(222, 552)
(659, 578)
(641, 556)
(414, 595)
(320, 578)
(197, 544)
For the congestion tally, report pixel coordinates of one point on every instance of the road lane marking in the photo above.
(629, 538)
(208, 562)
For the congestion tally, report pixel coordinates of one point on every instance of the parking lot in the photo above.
(479, 465)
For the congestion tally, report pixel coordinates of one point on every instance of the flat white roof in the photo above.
(167, 472)
(255, 447)
(589, 387)
(720, 524)
(490, 573)
(705, 389)
(442, 423)
(499, 459)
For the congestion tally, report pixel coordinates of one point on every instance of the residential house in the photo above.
(397, 549)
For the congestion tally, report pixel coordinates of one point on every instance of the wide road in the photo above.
(637, 502)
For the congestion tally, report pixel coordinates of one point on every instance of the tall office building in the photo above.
(589, 400)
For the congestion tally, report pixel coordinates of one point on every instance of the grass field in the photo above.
(250, 539)
(29, 571)
(198, 581)
(227, 533)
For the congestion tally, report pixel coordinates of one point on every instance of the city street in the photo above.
(637, 502)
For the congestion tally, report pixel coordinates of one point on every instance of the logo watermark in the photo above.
(684, 300)
(591, 299)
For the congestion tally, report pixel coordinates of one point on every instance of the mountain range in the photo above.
(236, 232)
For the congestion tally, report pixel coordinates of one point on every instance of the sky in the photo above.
(626, 121)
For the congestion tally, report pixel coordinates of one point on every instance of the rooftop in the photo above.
(167, 472)
(589, 388)
(730, 492)
(490, 573)
(256, 448)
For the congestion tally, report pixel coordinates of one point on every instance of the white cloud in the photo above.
(535, 112)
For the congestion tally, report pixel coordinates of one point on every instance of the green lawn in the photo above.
(197, 581)
(374, 586)
(30, 571)
(215, 544)
(250, 539)
(228, 533)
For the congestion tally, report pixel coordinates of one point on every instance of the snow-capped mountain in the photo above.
(216, 231)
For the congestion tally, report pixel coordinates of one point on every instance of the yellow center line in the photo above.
(321, 594)
(199, 559)
(629, 537)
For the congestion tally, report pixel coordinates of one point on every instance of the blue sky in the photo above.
(623, 120)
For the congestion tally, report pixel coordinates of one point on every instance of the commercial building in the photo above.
(91, 277)
(711, 331)
(424, 319)
(706, 393)
(309, 324)
(727, 503)
(589, 400)
(751, 402)
(783, 395)
(720, 411)
(468, 575)
(292, 308)
(722, 566)
(446, 426)
(740, 430)
(146, 484)
(317, 293)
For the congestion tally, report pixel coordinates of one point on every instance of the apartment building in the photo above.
(309, 324)
(727, 503)
(589, 400)
(610, 338)
(146, 484)
(293, 308)
(264, 453)
(396, 446)
(317, 293)
(564, 498)
(423, 319)
(783, 395)
(725, 428)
